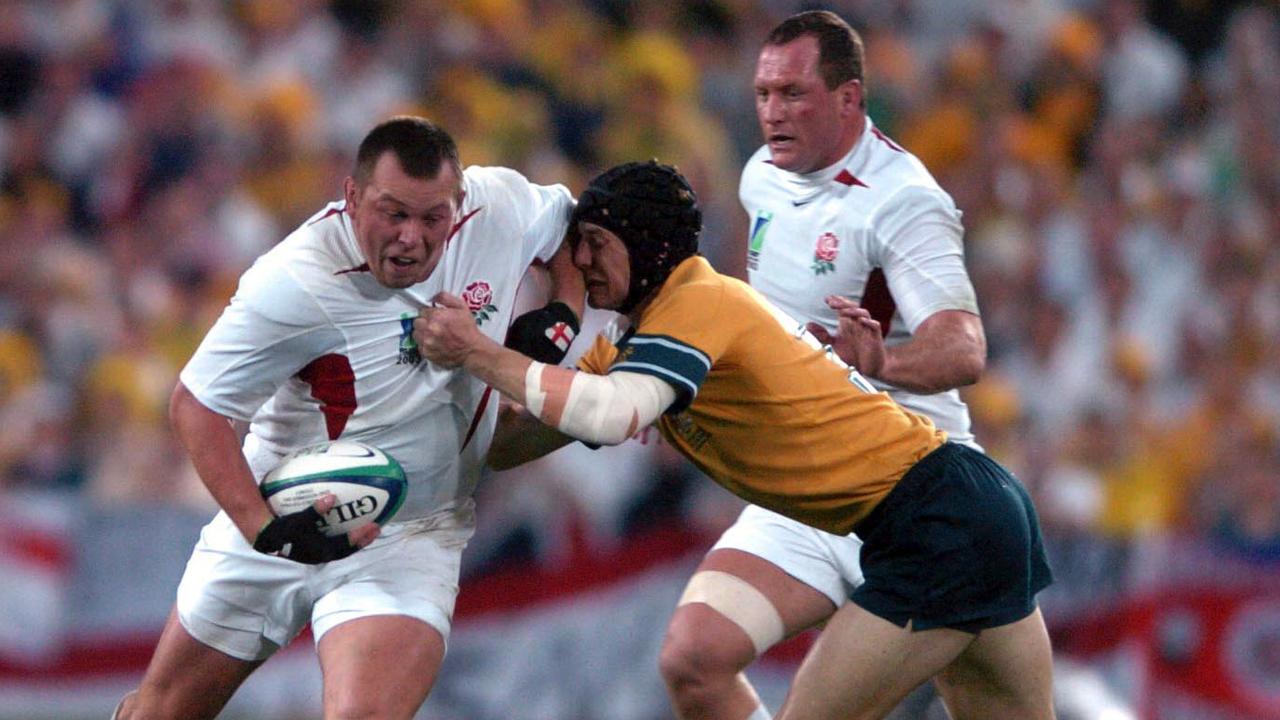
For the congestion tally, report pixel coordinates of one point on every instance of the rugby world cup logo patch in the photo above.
(479, 299)
(755, 244)
(408, 346)
(824, 254)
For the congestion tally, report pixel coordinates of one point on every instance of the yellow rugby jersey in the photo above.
(762, 407)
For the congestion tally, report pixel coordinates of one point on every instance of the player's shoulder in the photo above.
(695, 279)
(316, 252)
(695, 290)
(323, 243)
(492, 181)
(894, 171)
(491, 178)
(501, 191)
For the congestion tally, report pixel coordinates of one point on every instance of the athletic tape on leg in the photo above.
(740, 602)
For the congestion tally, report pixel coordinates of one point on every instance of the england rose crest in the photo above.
(479, 298)
(824, 254)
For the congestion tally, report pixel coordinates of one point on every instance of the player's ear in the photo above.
(349, 192)
(851, 95)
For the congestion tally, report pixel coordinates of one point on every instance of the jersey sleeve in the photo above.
(679, 339)
(920, 243)
(542, 211)
(271, 329)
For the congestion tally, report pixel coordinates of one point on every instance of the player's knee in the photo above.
(691, 658)
(351, 707)
(365, 706)
(153, 703)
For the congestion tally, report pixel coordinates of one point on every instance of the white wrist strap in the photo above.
(534, 397)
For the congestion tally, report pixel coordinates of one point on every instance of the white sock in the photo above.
(761, 713)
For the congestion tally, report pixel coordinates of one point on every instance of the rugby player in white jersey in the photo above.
(317, 344)
(846, 227)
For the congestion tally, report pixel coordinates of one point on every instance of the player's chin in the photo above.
(600, 298)
(784, 156)
(400, 276)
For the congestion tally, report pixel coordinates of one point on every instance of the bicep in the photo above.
(191, 418)
(956, 336)
(922, 254)
(248, 354)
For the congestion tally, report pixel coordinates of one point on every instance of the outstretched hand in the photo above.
(858, 339)
(446, 332)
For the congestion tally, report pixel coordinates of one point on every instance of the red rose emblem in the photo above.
(477, 295)
(828, 246)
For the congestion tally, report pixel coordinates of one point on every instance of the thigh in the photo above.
(1006, 673)
(800, 605)
(240, 601)
(379, 666)
(825, 562)
(862, 665)
(737, 605)
(187, 678)
(411, 574)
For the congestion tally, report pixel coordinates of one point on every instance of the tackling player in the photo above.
(952, 554)
(317, 344)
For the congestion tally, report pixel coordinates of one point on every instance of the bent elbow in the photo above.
(608, 437)
(974, 362)
(179, 401)
(972, 368)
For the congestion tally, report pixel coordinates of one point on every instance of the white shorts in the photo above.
(825, 562)
(247, 604)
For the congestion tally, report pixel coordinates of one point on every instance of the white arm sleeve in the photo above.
(270, 330)
(539, 213)
(600, 409)
(922, 253)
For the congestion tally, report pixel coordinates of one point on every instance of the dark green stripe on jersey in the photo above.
(680, 365)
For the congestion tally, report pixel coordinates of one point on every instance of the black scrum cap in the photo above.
(654, 211)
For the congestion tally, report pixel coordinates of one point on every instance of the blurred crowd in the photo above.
(1117, 162)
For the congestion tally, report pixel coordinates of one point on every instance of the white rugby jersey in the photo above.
(312, 347)
(874, 227)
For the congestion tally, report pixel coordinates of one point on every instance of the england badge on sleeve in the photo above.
(560, 335)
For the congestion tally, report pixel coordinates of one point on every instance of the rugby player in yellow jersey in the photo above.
(952, 554)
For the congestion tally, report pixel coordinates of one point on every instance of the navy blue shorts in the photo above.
(955, 544)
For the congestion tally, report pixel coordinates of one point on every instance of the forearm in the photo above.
(214, 449)
(567, 285)
(521, 438)
(500, 367)
(600, 409)
(949, 350)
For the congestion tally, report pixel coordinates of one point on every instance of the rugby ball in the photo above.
(369, 484)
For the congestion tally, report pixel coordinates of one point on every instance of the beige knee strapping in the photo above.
(740, 602)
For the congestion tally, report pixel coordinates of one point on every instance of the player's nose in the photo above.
(581, 255)
(413, 233)
(771, 109)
